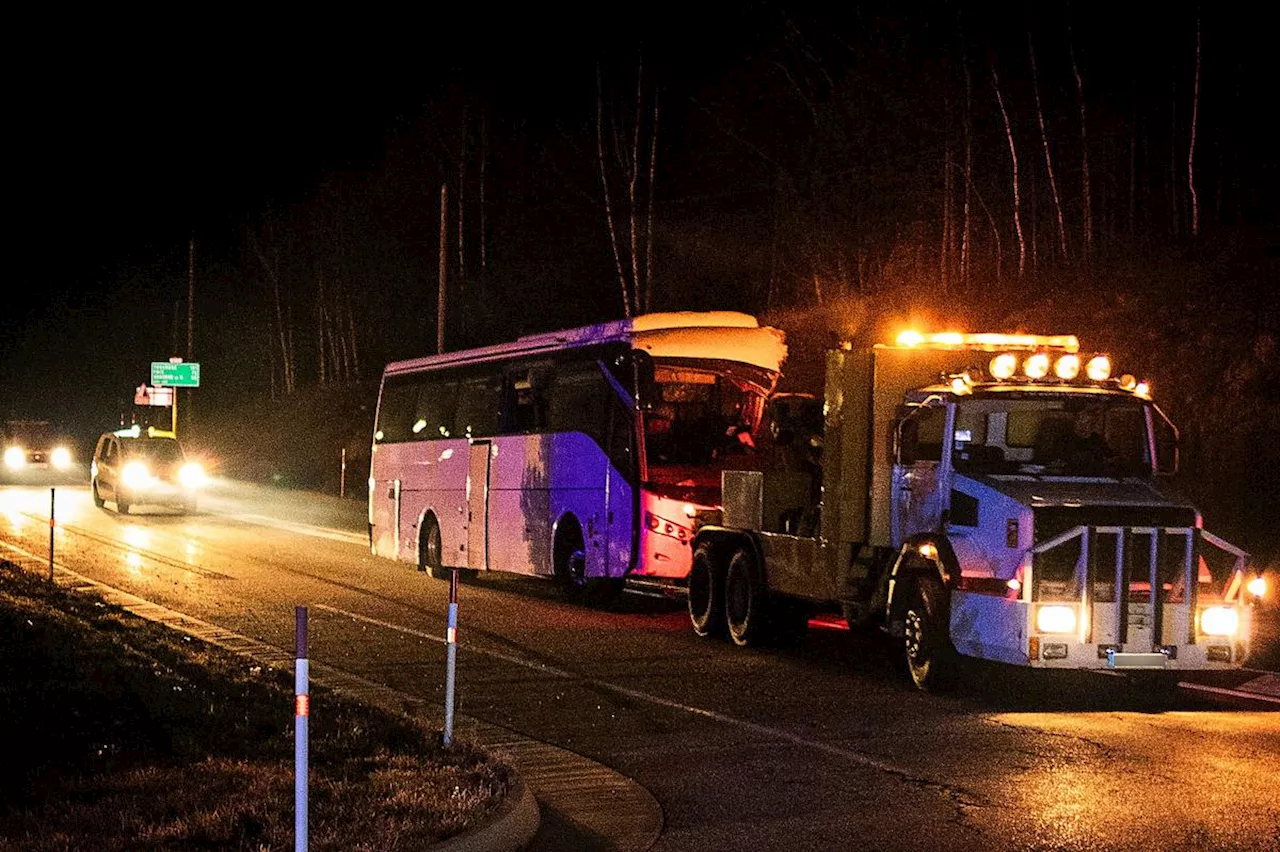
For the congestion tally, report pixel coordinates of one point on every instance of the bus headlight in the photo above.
(61, 458)
(1056, 618)
(136, 475)
(1219, 621)
(14, 458)
(191, 475)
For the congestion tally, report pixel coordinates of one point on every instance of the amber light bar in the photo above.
(988, 341)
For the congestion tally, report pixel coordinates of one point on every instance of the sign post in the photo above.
(175, 373)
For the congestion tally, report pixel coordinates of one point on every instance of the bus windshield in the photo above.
(1059, 436)
(700, 418)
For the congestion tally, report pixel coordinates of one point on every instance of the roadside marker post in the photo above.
(301, 713)
(52, 525)
(451, 652)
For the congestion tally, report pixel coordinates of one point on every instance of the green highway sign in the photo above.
(175, 375)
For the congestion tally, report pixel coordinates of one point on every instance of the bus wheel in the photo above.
(431, 551)
(744, 603)
(930, 656)
(569, 558)
(706, 594)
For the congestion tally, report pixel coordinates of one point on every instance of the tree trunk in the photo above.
(1013, 156)
(1048, 157)
(1191, 150)
(1086, 191)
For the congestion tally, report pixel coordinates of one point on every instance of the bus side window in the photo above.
(436, 403)
(578, 401)
(526, 407)
(479, 411)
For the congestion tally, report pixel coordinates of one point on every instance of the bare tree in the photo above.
(633, 164)
(1048, 157)
(1191, 150)
(1086, 193)
(1013, 155)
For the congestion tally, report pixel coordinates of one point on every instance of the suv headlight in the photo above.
(191, 475)
(136, 475)
(14, 458)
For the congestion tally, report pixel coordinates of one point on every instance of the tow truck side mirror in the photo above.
(906, 440)
(1166, 435)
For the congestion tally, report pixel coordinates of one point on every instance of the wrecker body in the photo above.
(1001, 497)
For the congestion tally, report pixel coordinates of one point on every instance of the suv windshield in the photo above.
(1059, 436)
(156, 450)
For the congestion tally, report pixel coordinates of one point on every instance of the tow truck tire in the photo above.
(97, 498)
(431, 550)
(744, 600)
(706, 594)
(930, 657)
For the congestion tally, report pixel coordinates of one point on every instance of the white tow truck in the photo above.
(1002, 497)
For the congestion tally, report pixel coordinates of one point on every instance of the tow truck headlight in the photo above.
(192, 475)
(14, 458)
(136, 475)
(1056, 618)
(61, 458)
(1219, 621)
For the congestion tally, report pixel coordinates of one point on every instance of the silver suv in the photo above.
(144, 467)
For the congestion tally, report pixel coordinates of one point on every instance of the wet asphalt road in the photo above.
(822, 745)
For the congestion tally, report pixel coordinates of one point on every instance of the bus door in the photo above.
(478, 505)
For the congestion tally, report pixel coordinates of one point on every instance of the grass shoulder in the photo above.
(124, 734)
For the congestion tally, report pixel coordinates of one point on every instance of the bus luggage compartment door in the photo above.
(478, 506)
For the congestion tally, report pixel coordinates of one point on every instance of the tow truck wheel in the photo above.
(97, 498)
(431, 551)
(706, 594)
(930, 656)
(744, 603)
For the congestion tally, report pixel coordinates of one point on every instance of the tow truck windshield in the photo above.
(1055, 436)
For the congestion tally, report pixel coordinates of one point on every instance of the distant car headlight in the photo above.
(1056, 618)
(136, 474)
(1219, 621)
(61, 458)
(15, 458)
(192, 476)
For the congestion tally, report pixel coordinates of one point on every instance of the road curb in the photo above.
(614, 811)
(510, 828)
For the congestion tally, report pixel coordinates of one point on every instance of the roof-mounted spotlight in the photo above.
(1036, 366)
(1067, 367)
(1004, 365)
(1099, 368)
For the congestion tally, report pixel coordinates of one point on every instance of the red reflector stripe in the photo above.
(302, 705)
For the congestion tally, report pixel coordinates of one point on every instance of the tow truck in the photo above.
(995, 496)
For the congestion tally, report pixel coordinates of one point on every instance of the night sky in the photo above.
(330, 137)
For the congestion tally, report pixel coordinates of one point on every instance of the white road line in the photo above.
(753, 727)
(302, 529)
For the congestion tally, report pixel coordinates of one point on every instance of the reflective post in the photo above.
(301, 711)
(52, 524)
(342, 479)
(451, 651)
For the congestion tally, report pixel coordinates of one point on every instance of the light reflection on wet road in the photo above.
(819, 746)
